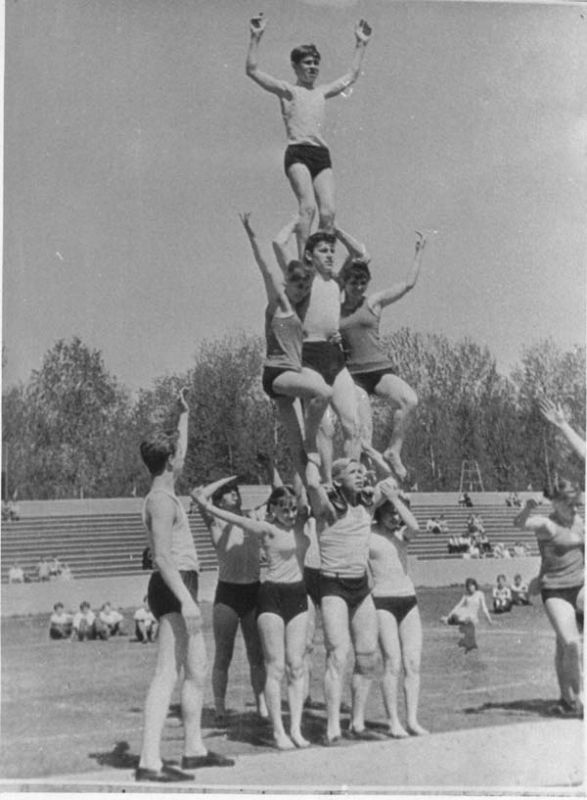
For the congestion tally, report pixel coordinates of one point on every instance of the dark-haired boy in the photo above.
(307, 159)
(172, 597)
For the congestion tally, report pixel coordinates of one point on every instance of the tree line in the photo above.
(72, 430)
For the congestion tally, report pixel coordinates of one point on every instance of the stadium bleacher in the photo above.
(108, 544)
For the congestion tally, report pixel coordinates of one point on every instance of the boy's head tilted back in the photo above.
(156, 449)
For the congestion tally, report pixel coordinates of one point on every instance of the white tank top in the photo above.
(344, 546)
(183, 549)
(322, 317)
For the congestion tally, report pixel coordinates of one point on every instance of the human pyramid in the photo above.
(331, 542)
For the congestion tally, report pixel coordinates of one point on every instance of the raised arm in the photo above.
(272, 280)
(385, 297)
(406, 515)
(542, 526)
(362, 35)
(281, 243)
(267, 82)
(355, 248)
(317, 496)
(555, 415)
(201, 497)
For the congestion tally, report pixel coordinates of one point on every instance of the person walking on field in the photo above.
(173, 598)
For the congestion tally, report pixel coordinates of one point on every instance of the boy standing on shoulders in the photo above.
(172, 597)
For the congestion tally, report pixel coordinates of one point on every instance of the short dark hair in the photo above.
(314, 240)
(279, 493)
(358, 266)
(297, 269)
(226, 488)
(58, 605)
(563, 489)
(156, 450)
(303, 50)
(471, 582)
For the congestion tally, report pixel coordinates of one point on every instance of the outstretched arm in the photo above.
(362, 35)
(379, 300)
(182, 422)
(555, 415)
(273, 282)
(201, 496)
(267, 82)
(281, 243)
(319, 502)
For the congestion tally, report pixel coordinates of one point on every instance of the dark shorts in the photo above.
(400, 607)
(285, 600)
(369, 380)
(570, 595)
(241, 597)
(352, 590)
(312, 156)
(312, 581)
(162, 600)
(325, 358)
(269, 375)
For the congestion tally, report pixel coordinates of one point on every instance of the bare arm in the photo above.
(356, 249)
(538, 524)
(319, 502)
(555, 415)
(267, 82)
(246, 523)
(273, 282)
(379, 300)
(484, 609)
(182, 422)
(362, 35)
(281, 243)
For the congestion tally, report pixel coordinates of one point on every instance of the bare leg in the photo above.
(561, 615)
(309, 652)
(271, 629)
(364, 636)
(301, 183)
(171, 628)
(192, 694)
(403, 397)
(295, 647)
(344, 402)
(410, 632)
(335, 619)
(256, 660)
(324, 191)
(313, 389)
(225, 626)
(391, 649)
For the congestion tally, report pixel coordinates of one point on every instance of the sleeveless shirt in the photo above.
(344, 545)
(563, 565)
(283, 337)
(183, 549)
(359, 330)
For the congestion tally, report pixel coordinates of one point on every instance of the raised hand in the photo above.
(420, 242)
(551, 412)
(181, 399)
(257, 25)
(363, 31)
(245, 218)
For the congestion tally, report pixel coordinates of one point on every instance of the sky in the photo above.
(133, 138)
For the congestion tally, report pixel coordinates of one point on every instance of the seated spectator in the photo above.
(516, 500)
(520, 592)
(111, 619)
(484, 545)
(16, 574)
(500, 551)
(85, 624)
(475, 524)
(520, 549)
(458, 544)
(443, 524)
(502, 596)
(43, 569)
(54, 567)
(473, 550)
(66, 573)
(60, 623)
(145, 623)
(432, 525)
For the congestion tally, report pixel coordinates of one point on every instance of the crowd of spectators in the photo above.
(86, 624)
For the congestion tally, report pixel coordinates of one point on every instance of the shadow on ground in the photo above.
(536, 706)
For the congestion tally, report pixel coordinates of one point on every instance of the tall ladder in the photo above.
(471, 480)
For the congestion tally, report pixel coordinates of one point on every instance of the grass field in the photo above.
(70, 707)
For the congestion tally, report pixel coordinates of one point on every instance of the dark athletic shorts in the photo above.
(352, 590)
(286, 600)
(570, 595)
(400, 607)
(241, 597)
(162, 600)
(369, 380)
(312, 581)
(325, 358)
(312, 156)
(269, 375)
